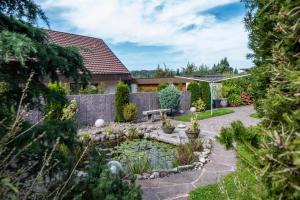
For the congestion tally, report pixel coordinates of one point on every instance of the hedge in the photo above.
(122, 98)
(194, 89)
(205, 93)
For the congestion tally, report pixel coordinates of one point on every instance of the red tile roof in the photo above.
(98, 58)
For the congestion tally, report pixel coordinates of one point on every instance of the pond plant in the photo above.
(141, 155)
(185, 152)
(133, 133)
(138, 165)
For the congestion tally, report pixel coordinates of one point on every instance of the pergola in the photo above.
(211, 80)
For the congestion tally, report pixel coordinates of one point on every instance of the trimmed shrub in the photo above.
(205, 93)
(89, 89)
(57, 88)
(238, 85)
(234, 100)
(246, 98)
(55, 101)
(169, 98)
(121, 99)
(69, 110)
(161, 86)
(101, 87)
(200, 105)
(130, 112)
(195, 91)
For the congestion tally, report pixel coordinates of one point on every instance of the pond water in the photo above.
(158, 155)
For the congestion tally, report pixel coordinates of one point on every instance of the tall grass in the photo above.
(184, 152)
(138, 165)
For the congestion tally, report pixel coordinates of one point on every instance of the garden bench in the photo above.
(151, 113)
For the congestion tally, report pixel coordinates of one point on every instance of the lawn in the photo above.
(205, 115)
(241, 184)
(255, 115)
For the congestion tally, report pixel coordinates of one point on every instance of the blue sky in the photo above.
(145, 33)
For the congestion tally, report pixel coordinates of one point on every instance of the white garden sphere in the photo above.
(114, 166)
(193, 109)
(99, 123)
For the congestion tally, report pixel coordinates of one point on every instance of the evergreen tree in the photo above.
(274, 38)
(25, 50)
(163, 72)
(236, 71)
(177, 72)
(222, 67)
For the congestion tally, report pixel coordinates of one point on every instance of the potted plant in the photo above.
(224, 101)
(217, 95)
(166, 124)
(193, 131)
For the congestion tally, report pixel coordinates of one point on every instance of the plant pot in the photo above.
(168, 130)
(192, 135)
(217, 103)
(224, 102)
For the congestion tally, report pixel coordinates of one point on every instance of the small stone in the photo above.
(207, 151)
(202, 160)
(185, 167)
(97, 138)
(174, 170)
(196, 164)
(82, 174)
(181, 111)
(139, 177)
(163, 173)
(146, 175)
(155, 174)
(197, 153)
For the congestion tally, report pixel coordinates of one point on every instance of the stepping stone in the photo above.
(181, 126)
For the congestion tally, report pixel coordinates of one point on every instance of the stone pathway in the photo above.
(222, 162)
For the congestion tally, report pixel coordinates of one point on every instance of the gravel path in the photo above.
(222, 162)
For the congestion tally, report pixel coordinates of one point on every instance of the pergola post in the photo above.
(211, 97)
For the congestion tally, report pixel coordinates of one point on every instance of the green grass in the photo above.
(255, 115)
(241, 184)
(205, 115)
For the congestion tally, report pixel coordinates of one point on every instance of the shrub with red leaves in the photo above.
(246, 98)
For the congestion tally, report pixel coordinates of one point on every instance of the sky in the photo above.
(145, 33)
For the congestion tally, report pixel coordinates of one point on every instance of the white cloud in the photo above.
(141, 22)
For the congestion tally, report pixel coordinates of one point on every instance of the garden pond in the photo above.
(142, 155)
